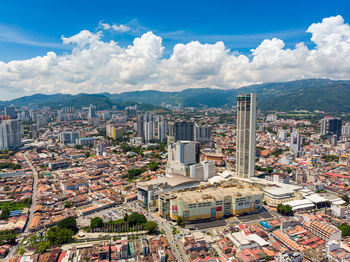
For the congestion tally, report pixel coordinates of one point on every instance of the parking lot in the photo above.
(114, 213)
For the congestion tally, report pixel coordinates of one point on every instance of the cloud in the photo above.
(95, 65)
(117, 28)
(13, 35)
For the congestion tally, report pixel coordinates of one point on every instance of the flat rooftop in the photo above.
(216, 193)
(173, 180)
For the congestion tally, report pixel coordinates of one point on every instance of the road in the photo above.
(164, 224)
(34, 195)
(13, 251)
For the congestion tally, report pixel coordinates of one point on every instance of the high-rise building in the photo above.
(131, 111)
(10, 134)
(10, 111)
(295, 142)
(181, 155)
(345, 131)
(139, 126)
(41, 120)
(282, 135)
(69, 137)
(146, 128)
(246, 140)
(334, 140)
(331, 126)
(202, 134)
(101, 149)
(149, 128)
(92, 111)
(34, 131)
(162, 130)
(203, 170)
(181, 130)
(114, 131)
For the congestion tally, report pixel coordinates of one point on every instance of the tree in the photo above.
(180, 222)
(324, 137)
(345, 229)
(151, 226)
(5, 213)
(126, 217)
(59, 236)
(135, 172)
(284, 209)
(96, 222)
(7, 237)
(68, 203)
(43, 246)
(68, 223)
(136, 219)
(153, 166)
(346, 199)
(330, 158)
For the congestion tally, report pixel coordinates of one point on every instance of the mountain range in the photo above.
(309, 94)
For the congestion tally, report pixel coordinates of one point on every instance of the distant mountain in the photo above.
(81, 100)
(309, 94)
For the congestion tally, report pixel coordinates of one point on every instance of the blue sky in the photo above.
(87, 46)
(32, 28)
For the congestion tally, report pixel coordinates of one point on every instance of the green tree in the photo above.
(180, 222)
(324, 137)
(78, 147)
(284, 209)
(135, 172)
(43, 246)
(59, 236)
(7, 237)
(126, 217)
(153, 166)
(136, 219)
(68, 203)
(151, 226)
(68, 223)
(5, 213)
(96, 222)
(345, 229)
(330, 158)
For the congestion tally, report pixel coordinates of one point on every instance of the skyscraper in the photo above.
(246, 140)
(181, 130)
(146, 126)
(181, 155)
(11, 111)
(331, 126)
(92, 111)
(10, 134)
(202, 134)
(139, 126)
(162, 130)
(295, 143)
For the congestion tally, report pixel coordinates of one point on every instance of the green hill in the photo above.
(309, 94)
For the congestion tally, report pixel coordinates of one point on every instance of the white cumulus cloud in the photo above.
(95, 65)
(117, 28)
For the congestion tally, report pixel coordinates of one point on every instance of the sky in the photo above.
(117, 46)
